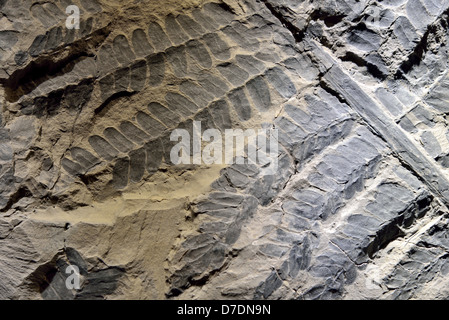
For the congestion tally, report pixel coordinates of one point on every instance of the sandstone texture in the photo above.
(356, 209)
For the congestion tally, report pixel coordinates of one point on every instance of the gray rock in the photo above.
(193, 29)
(213, 84)
(206, 120)
(358, 150)
(21, 57)
(86, 27)
(72, 167)
(8, 39)
(397, 197)
(38, 45)
(103, 148)
(321, 113)
(6, 152)
(260, 93)
(196, 93)
(390, 101)
(177, 58)
(163, 114)
(296, 223)
(137, 164)
(302, 66)
(377, 65)
(356, 233)
(141, 46)
(69, 36)
(57, 289)
(154, 150)
(121, 173)
(122, 50)
(215, 228)
(364, 222)
(77, 96)
(351, 247)
(238, 32)
(133, 133)
(240, 102)
(364, 40)
(100, 284)
(106, 59)
(220, 115)
(75, 258)
(107, 85)
(289, 133)
(152, 126)
(158, 37)
(443, 160)
(118, 140)
(204, 20)
(218, 47)
(264, 190)
(84, 157)
(424, 115)
(234, 74)
(156, 65)
(138, 75)
(322, 182)
(223, 184)
(180, 104)
(310, 196)
(219, 13)
(236, 178)
(407, 125)
(252, 65)
(418, 14)
(226, 198)
(206, 259)
(351, 87)
(44, 16)
(332, 264)
(91, 6)
(228, 214)
(266, 289)
(174, 31)
(208, 206)
(337, 167)
(268, 57)
(122, 80)
(281, 82)
(300, 116)
(54, 39)
(405, 32)
(198, 51)
(438, 97)
(302, 210)
(431, 144)
(299, 259)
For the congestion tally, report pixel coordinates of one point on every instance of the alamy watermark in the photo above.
(236, 146)
(73, 20)
(73, 280)
(373, 19)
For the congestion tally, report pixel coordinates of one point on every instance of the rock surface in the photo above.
(357, 91)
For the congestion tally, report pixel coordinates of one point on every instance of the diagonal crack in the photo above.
(297, 33)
